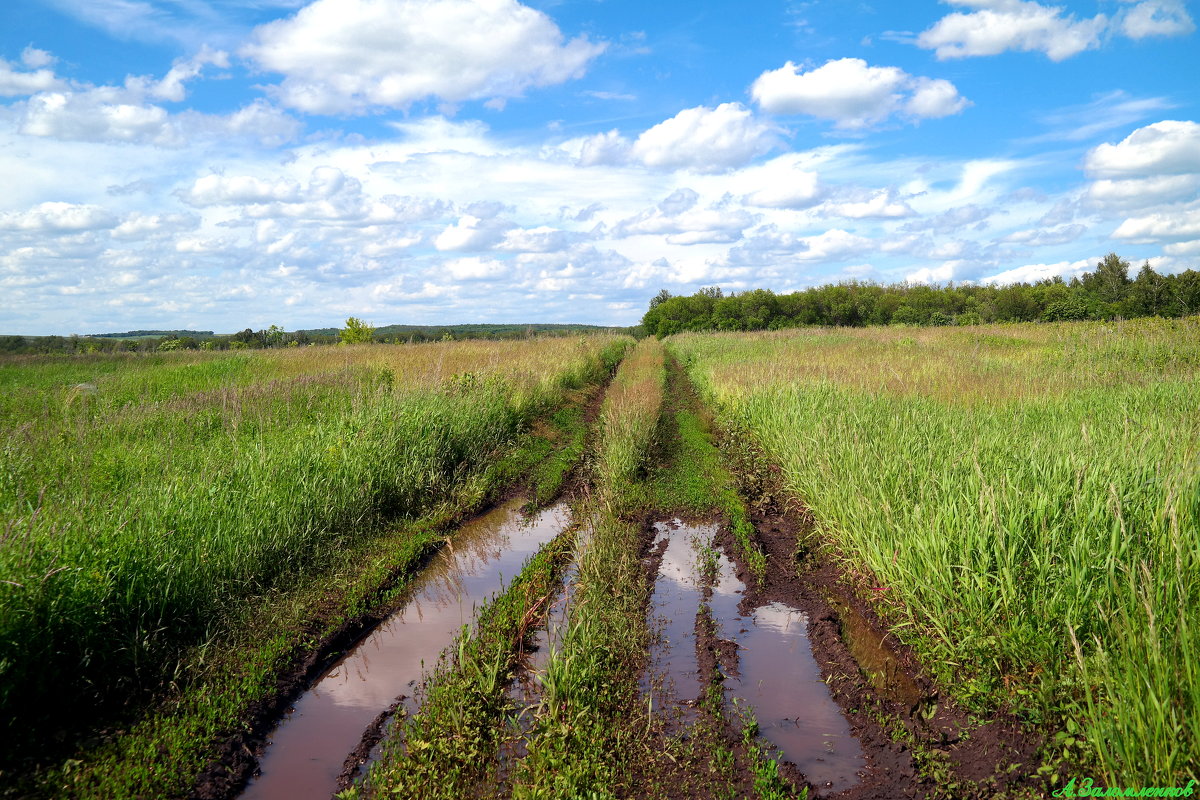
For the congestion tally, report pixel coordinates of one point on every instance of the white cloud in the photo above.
(216, 190)
(1031, 273)
(608, 148)
(57, 218)
(1045, 237)
(1164, 148)
(340, 56)
(1169, 224)
(14, 83)
(705, 139)
(1140, 192)
(1156, 18)
(878, 204)
(854, 94)
(471, 233)
(36, 59)
(473, 268)
(141, 226)
(1001, 25)
(171, 86)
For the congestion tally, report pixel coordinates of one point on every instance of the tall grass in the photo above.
(139, 514)
(1030, 495)
(629, 418)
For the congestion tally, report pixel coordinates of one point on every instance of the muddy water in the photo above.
(775, 673)
(678, 590)
(780, 679)
(306, 752)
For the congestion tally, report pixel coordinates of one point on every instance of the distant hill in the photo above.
(147, 334)
(473, 330)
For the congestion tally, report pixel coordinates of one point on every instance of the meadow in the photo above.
(147, 499)
(1018, 505)
(1025, 497)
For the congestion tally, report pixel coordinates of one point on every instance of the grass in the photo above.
(144, 519)
(1029, 494)
(577, 747)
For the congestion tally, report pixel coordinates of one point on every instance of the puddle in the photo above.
(305, 753)
(678, 591)
(776, 674)
(780, 679)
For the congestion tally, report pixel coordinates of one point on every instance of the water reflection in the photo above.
(306, 751)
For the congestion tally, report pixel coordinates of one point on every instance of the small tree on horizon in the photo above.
(357, 331)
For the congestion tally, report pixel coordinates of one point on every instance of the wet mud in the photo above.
(307, 752)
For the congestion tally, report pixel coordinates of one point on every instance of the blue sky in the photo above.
(218, 164)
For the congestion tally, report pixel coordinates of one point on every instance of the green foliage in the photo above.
(1106, 293)
(356, 332)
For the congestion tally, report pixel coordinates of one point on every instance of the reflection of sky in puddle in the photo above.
(673, 607)
(309, 746)
(780, 679)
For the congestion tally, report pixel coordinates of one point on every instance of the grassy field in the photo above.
(1026, 498)
(147, 499)
(1020, 502)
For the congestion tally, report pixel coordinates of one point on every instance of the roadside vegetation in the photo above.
(1026, 499)
(155, 509)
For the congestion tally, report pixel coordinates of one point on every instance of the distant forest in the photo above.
(275, 336)
(1105, 293)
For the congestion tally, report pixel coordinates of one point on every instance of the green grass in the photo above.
(140, 520)
(581, 735)
(1029, 494)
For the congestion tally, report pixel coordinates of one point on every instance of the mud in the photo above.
(307, 751)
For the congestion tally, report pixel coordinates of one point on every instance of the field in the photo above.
(992, 534)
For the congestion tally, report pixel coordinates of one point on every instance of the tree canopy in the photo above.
(1105, 293)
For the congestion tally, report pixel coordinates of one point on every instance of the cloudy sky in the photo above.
(218, 164)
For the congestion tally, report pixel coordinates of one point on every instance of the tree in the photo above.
(356, 332)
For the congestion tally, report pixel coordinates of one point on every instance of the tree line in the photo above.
(1104, 293)
(355, 331)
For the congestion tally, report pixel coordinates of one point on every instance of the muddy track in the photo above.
(941, 752)
(237, 753)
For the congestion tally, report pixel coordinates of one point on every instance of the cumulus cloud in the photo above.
(57, 218)
(706, 139)
(685, 223)
(142, 226)
(472, 233)
(1000, 25)
(473, 268)
(14, 82)
(1156, 18)
(1031, 273)
(345, 56)
(1164, 148)
(866, 204)
(854, 94)
(1139, 192)
(1183, 223)
(219, 190)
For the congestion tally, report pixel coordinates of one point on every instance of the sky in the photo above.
(223, 164)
